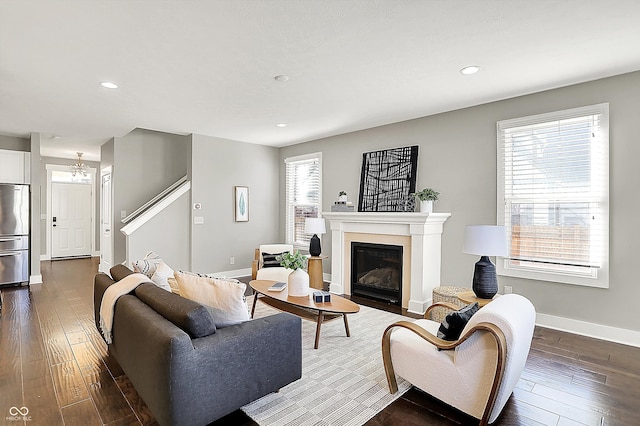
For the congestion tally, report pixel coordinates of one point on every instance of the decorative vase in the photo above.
(426, 206)
(298, 283)
(485, 282)
(342, 198)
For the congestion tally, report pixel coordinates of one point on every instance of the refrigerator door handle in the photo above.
(5, 240)
(11, 253)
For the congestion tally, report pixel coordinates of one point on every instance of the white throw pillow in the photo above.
(223, 298)
(174, 285)
(161, 276)
(148, 265)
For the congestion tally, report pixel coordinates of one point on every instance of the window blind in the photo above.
(553, 185)
(303, 198)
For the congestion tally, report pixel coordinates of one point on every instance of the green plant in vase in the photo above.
(427, 197)
(298, 280)
(292, 260)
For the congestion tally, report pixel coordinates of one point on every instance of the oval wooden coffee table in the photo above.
(304, 306)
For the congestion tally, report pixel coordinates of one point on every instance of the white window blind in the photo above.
(553, 195)
(303, 198)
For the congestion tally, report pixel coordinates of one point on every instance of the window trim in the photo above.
(288, 226)
(600, 277)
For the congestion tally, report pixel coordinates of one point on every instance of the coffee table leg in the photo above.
(255, 299)
(346, 325)
(320, 319)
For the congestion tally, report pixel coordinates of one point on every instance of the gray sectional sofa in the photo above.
(186, 370)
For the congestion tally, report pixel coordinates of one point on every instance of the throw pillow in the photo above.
(161, 275)
(454, 323)
(174, 285)
(148, 265)
(190, 316)
(270, 260)
(223, 298)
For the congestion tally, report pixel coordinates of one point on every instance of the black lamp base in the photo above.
(314, 246)
(485, 282)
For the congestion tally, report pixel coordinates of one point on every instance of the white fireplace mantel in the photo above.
(425, 232)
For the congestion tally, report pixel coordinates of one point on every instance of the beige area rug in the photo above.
(343, 381)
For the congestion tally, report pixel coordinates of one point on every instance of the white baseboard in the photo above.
(589, 329)
(35, 279)
(236, 273)
(44, 257)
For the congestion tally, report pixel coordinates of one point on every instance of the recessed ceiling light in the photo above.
(281, 78)
(470, 70)
(281, 124)
(109, 85)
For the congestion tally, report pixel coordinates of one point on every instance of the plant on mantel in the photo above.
(427, 194)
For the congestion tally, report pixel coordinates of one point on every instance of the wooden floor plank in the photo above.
(39, 398)
(69, 384)
(143, 413)
(83, 413)
(10, 384)
(106, 395)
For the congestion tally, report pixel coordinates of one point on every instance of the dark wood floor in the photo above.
(54, 362)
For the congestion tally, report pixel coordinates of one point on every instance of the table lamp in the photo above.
(315, 226)
(485, 241)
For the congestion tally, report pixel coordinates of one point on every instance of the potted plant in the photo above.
(298, 280)
(342, 197)
(427, 196)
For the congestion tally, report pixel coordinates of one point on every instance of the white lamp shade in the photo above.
(485, 240)
(314, 225)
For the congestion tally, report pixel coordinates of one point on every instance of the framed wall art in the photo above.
(387, 179)
(242, 203)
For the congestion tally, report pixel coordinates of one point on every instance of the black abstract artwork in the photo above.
(387, 179)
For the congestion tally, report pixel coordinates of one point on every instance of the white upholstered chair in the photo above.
(278, 273)
(476, 373)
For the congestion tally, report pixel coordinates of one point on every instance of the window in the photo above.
(553, 195)
(61, 176)
(303, 198)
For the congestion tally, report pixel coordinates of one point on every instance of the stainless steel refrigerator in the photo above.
(14, 234)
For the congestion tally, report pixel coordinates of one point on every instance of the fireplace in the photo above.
(419, 234)
(376, 271)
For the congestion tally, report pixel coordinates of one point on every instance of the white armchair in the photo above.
(476, 373)
(277, 273)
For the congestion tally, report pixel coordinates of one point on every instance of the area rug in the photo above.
(343, 381)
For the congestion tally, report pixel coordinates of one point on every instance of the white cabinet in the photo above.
(15, 166)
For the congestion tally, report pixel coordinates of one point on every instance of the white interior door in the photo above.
(106, 216)
(71, 220)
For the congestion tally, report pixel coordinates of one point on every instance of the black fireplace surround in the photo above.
(376, 271)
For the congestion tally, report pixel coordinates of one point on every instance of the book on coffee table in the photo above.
(279, 286)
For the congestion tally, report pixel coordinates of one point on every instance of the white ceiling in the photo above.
(208, 67)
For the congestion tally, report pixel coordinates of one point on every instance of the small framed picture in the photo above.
(242, 203)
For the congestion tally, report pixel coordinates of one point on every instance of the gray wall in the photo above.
(14, 144)
(458, 158)
(170, 242)
(43, 197)
(217, 166)
(145, 163)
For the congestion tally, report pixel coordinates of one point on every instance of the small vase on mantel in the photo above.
(298, 283)
(426, 206)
